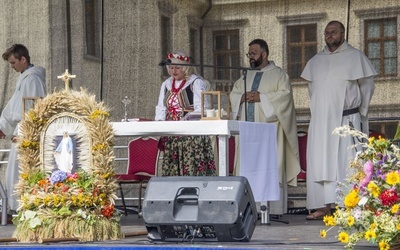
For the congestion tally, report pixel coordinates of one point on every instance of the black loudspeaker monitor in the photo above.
(209, 209)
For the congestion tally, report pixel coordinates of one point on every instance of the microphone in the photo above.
(164, 62)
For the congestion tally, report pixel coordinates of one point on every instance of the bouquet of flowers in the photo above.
(371, 207)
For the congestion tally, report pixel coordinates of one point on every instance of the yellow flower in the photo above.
(56, 200)
(63, 200)
(30, 144)
(322, 233)
(99, 146)
(88, 200)
(80, 199)
(372, 227)
(107, 175)
(24, 199)
(47, 200)
(395, 208)
(36, 201)
(398, 227)
(24, 176)
(32, 116)
(369, 235)
(102, 196)
(350, 220)
(74, 200)
(329, 221)
(383, 245)
(370, 141)
(98, 113)
(373, 189)
(392, 178)
(343, 237)
(351, 199)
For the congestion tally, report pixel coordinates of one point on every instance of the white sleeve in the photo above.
(199, 86)
(161, 109)
(367, 87)
(31, 86)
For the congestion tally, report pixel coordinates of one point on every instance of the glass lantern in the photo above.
(215, 105)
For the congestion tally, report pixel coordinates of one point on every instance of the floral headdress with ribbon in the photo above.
(178, 56)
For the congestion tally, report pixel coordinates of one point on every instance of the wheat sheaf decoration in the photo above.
(66, 193)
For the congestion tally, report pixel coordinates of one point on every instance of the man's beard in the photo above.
(334, 45)
(256, 63)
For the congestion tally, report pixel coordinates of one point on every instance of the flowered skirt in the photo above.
(187, 156)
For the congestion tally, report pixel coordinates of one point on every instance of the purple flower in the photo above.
(58, 176)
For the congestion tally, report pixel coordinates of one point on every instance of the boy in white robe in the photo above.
(31, 83)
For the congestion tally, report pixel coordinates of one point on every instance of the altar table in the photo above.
(222, 128)
(256, 165)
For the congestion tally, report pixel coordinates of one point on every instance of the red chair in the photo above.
(142, 165)
(376, 134)
(302, 136)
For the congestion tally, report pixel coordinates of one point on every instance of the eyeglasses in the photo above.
(251, 54)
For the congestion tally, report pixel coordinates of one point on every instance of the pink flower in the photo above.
(365, 181)
(368, 168)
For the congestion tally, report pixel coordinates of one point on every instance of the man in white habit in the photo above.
(341, 85)
(31, 83)
(269, 99)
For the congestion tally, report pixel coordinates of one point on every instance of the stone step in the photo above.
(300, 189)
(297, 203)
(297, 195)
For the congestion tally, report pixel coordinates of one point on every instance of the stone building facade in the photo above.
(114, 47)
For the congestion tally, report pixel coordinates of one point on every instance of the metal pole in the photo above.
(3, 205)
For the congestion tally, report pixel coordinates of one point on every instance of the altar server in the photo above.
(30, 83)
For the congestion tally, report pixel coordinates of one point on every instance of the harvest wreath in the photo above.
(58, 204)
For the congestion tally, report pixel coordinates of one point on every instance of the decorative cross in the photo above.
(66, 77)
(126, 101)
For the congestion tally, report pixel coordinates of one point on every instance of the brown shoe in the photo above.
(319, 214)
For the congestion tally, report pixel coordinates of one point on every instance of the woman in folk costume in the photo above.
(180, 94)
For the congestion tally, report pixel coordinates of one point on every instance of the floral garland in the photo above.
(178, 56)
(372, 207)
(61, 205)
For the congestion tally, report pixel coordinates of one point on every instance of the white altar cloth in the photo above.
(258, 159)
(262, 172)
(222, 128)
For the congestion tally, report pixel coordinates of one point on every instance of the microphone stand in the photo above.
(243, 69)
(245, 88)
